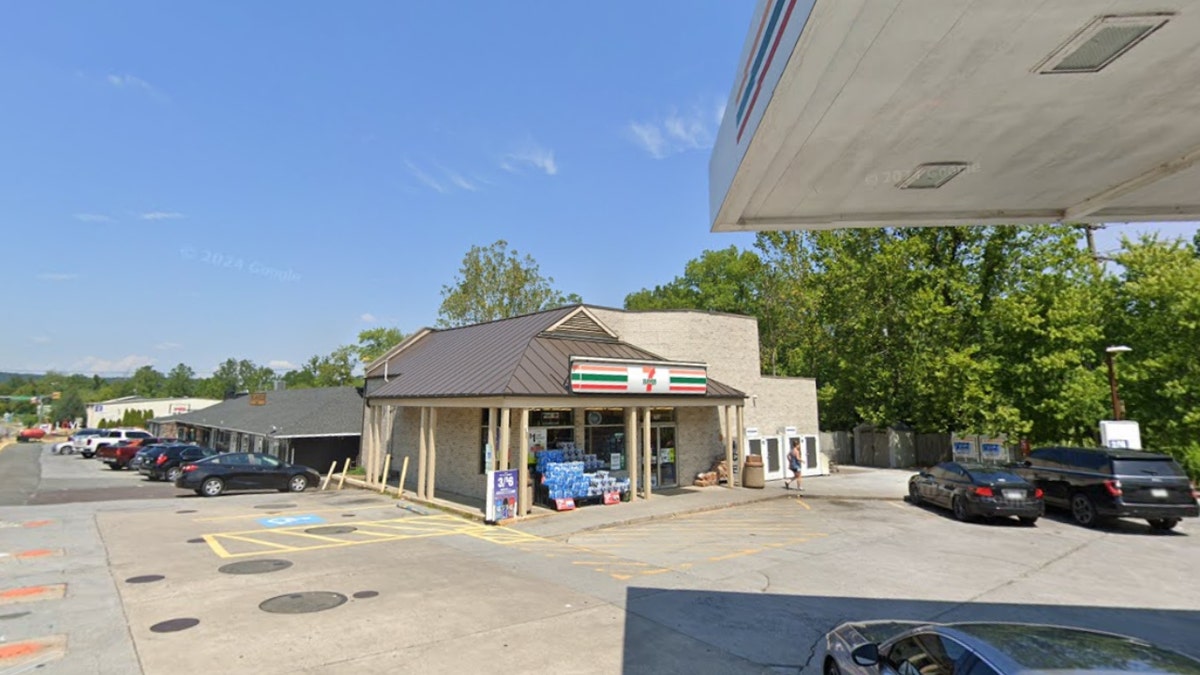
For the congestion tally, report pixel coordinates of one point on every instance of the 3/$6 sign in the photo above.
(610, 376)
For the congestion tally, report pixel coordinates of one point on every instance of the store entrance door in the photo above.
(774, 458)
(662, 446)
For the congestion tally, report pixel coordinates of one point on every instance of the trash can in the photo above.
(752, 472)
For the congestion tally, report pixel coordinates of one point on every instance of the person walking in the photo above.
(794, 464)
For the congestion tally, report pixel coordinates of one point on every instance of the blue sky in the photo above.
(190, 182)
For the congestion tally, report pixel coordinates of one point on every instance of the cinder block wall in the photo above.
(457, 449)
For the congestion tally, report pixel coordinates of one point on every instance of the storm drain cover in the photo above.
(348, 502)
(302, 603)
(255, 567)
(174, 625)
(15, 615)
(145, 579)
(348, 515)
(363, 595)
(187, 511)
(331, 529)
(275, 506)
(197, 540)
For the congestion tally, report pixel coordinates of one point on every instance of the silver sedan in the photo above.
(911, 648)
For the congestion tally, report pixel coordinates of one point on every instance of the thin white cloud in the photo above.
(458, 180)
(167, 346)
(130, 81)
(161, 215)
(57, 276)
(281, 364)
(533, 155)
(676, 132)
(426, 179)
(124, 364)
(93, 218)
(368, 317)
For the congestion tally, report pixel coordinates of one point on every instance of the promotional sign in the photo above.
(564, 504)
(502, 495)
(962, 448)
(990, 450)
(610, 378)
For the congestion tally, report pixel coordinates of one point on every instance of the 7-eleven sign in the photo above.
(616, 378)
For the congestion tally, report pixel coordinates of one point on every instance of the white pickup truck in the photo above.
(109, 437)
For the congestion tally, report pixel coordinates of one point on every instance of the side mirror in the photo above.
(866, 655)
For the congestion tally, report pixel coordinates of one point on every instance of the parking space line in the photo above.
(250, 540)
(214, 519)
(12, 596)
(801, 502)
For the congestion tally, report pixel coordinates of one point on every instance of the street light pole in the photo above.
(1109, 355)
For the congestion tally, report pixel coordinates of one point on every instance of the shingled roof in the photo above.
(292, 413)
(527, 355)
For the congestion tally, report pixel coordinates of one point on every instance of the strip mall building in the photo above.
(655, 396)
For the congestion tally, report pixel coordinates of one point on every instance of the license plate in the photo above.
(1014, 494)
(1158, 493)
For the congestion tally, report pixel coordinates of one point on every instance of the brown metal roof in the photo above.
(507, 357)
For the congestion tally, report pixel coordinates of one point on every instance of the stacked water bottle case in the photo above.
(572, 474)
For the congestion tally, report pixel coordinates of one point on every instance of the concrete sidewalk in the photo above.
(849, 483)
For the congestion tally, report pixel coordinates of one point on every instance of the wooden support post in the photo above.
(492, 423)
(403, 476)
(387, 466)
(325, 483)
(631, 453)
(423, 454)
(647, 468)
(342, 478)
(505, 438)
(741, 436)
(729, 441)
(431, 491)
(523, 497)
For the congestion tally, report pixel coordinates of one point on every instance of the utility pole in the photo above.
(1089, 231)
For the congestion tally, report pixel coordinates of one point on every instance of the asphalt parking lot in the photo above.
(351, 581)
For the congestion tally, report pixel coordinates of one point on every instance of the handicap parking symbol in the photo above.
(287, 521)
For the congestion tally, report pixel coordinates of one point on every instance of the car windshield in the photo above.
(1051, 648)
(991, 474)
(1146, 467)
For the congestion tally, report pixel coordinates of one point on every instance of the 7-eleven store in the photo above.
(653, 398)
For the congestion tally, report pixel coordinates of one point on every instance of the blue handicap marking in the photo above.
(287, 521)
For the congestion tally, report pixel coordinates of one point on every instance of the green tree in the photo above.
(374, 342)
(147, 382)
(496, 283)
(180, 381)
(333, 370)
(70, 407)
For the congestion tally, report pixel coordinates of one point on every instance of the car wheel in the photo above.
(211, 487)
(86, 455)
(114, 466)
(960, 509)
(914, 497)
(298, 483)
(831, 667)
(1028, 520)
(1163, 524)
(174, 473)
(1083, 510)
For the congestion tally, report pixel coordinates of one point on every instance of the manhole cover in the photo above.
(349, 502)
(145, 579)
(302, 603)
(332, 529)
(349, 515)
(275, 506)
(363, 595)
(187, 511)
(197, 540)
(254, 567)
(173, 625)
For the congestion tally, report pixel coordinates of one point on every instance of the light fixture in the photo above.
(1118, 349)
(932, 175)
(1100, 42)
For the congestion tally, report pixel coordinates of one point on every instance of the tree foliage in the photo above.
(180, 381)
(374, 342)
(496, 283)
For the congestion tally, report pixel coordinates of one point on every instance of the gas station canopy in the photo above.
(861, 113)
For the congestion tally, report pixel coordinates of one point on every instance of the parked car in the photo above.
(973, 490)
(245, 471)
(146, 465)
(119, 455)
(31, 434)
(909, 648)
(1099, 484)
(135, 463)
(168, 464)
(109, 437)
(75, 441)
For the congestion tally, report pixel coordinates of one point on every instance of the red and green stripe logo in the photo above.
(637, 379)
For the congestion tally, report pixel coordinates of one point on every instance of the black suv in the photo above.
(1098, 484)
(167, 465)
